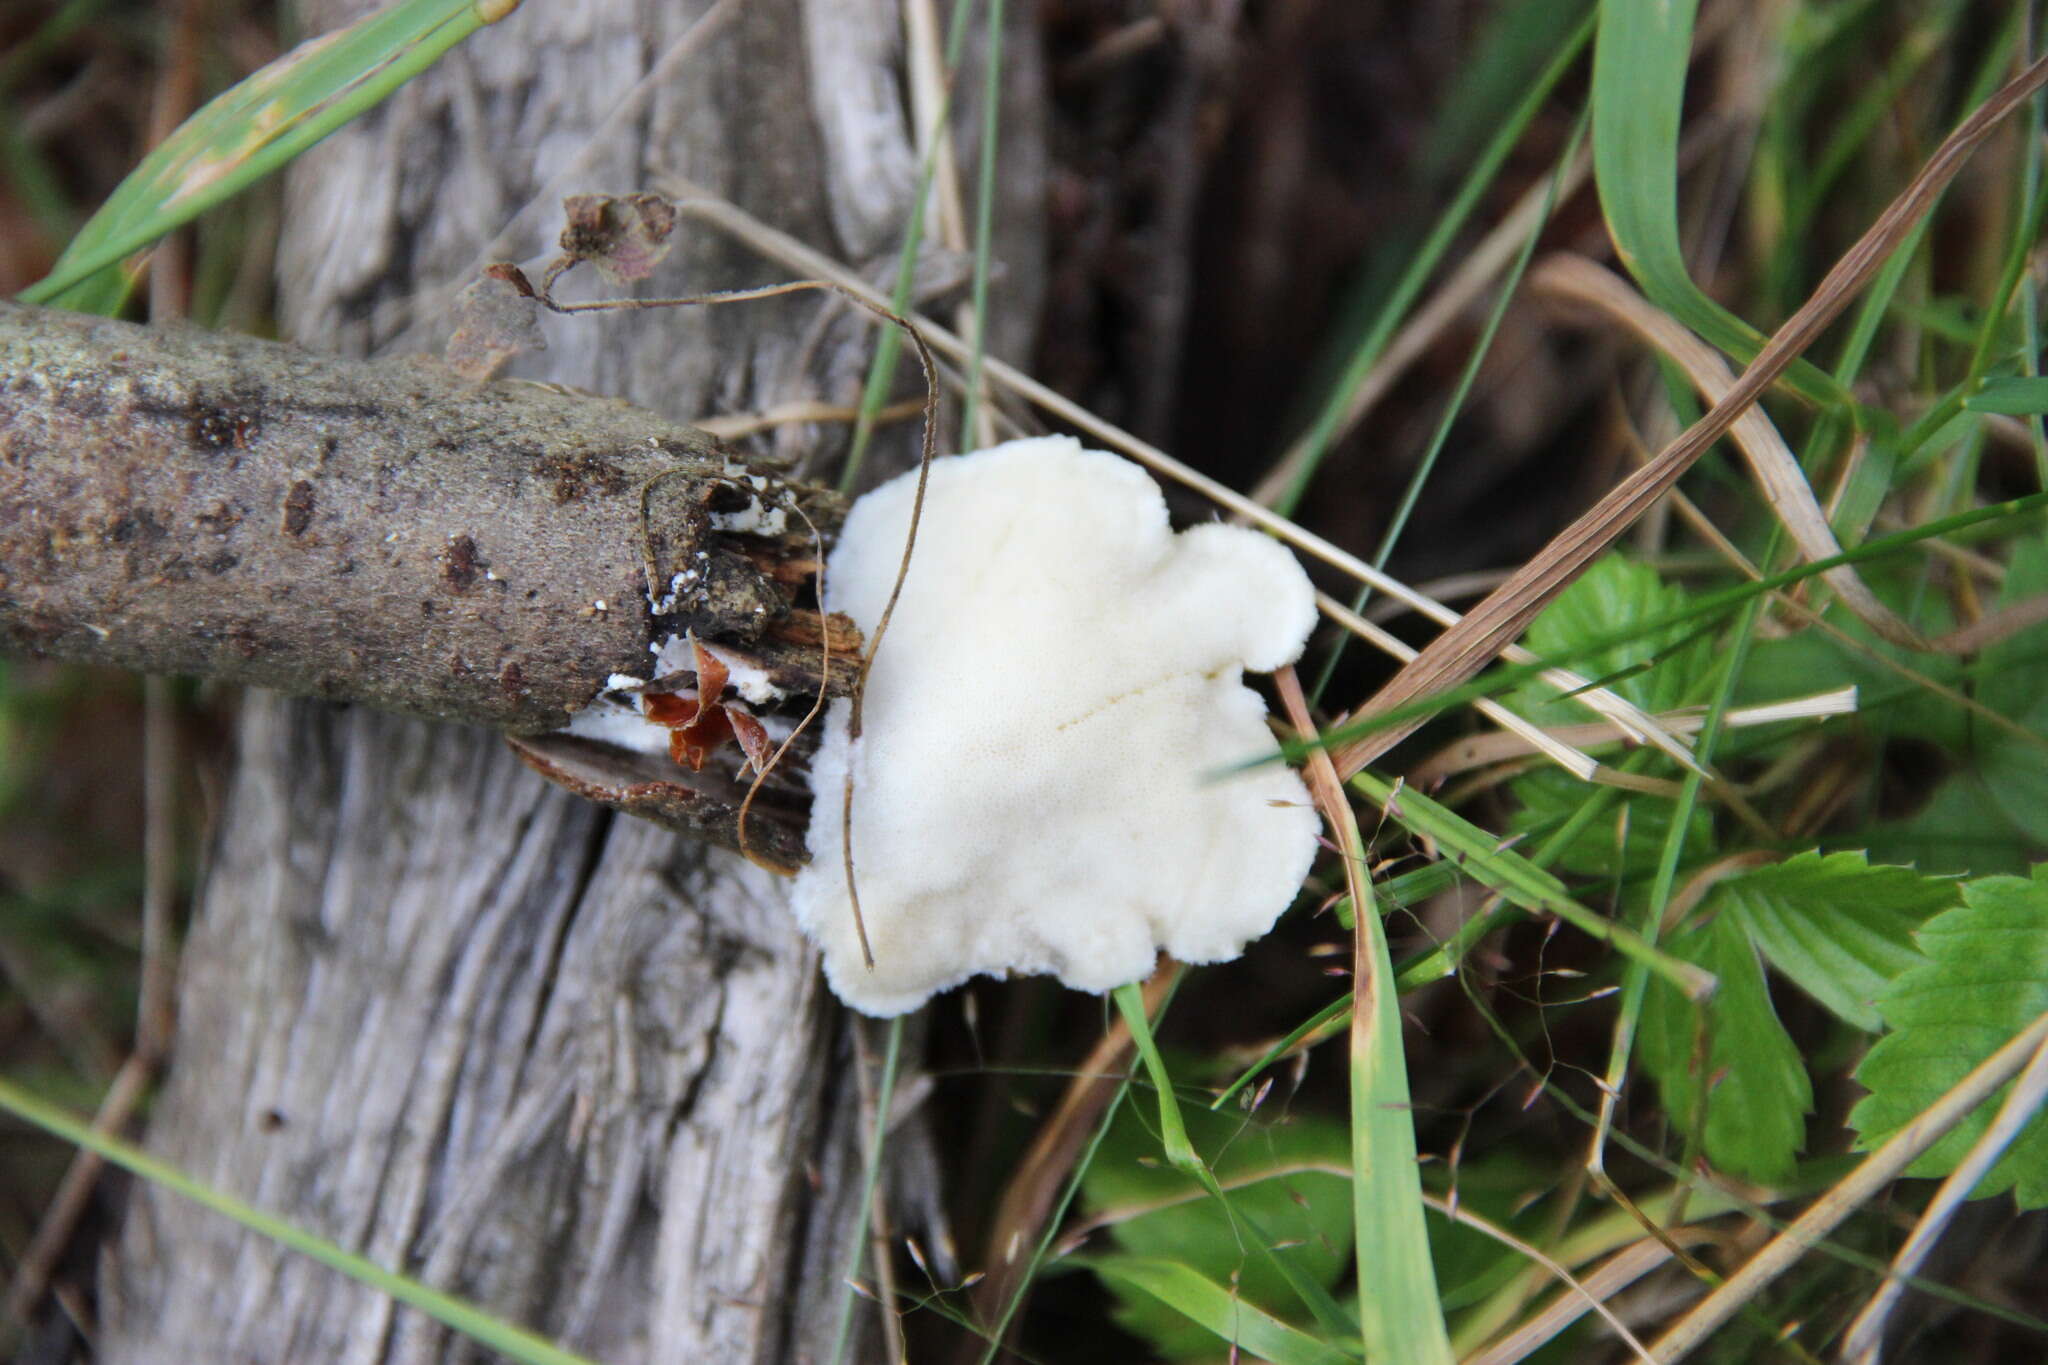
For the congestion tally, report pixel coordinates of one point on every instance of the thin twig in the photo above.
(779, 246)
(1865, 1338)
(1460, 652)
(544, 295)
(1879, 1169)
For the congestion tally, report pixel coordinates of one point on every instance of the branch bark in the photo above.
(174, 501)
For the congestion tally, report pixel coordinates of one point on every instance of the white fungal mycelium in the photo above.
(1050, 775)
(617, 714)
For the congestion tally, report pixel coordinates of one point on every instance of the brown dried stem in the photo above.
(1492, 625)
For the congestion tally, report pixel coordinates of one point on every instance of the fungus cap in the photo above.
(1048, 778)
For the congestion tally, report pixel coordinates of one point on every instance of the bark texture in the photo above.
(571, 1067)
(175, 501)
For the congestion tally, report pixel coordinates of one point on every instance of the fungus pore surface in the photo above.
(1049, 773)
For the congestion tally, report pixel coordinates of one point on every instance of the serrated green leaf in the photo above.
(1841, 929)
(1752, 1090)
(1655, 668)
(1269, 1175)
(1222, 1311)
(1960, 830)
(1986, 978)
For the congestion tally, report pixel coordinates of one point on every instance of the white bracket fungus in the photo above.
(1048, 777)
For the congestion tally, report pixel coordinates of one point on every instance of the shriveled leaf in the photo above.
(1748, 1093)
(1985, 979)
(624, 235)
(494, 321)
(752, 736)
(1841, 929)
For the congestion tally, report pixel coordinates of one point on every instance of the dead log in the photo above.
(390, 533)
(570, 1067)
(177, 501)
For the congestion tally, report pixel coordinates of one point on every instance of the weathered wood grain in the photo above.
(570, 1066)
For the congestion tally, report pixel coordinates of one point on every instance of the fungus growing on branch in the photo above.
(1048, 777)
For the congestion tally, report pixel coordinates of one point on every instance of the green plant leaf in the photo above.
(253, 129)
(1752, 1091)
(1222, 1311)
(1841, 929)
(1661, 666)
(1282, 1177)
(1488, 861)
(1640, 60)
(1653, 663)
(2013, 681)
(513, 1342)
(1960, 830)
(1626, 842)
(1985, 979)
(2013, 396)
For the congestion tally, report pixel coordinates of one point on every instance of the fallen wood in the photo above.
(178, 501)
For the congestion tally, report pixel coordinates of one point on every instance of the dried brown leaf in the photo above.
(624, 235)
(494, 320)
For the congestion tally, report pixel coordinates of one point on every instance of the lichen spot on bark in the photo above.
(221, 426)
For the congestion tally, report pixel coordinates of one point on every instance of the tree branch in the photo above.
(177, 501)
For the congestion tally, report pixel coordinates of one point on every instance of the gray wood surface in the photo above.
(563, 1063)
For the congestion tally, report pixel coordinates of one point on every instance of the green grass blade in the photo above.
(1635, 978)
(1639, 67)
(1704, 605)
(1182, 1156)
(1455, 407)
(885, 1098)
(2019, 396)
(1521, 882)
(889, 343)
(984, 214)
(1053, 1220)
(1202, 1300)
(1400, 1311)
(1323, 1018)
(473, 1322)
(255, 128)
(1314, 444)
